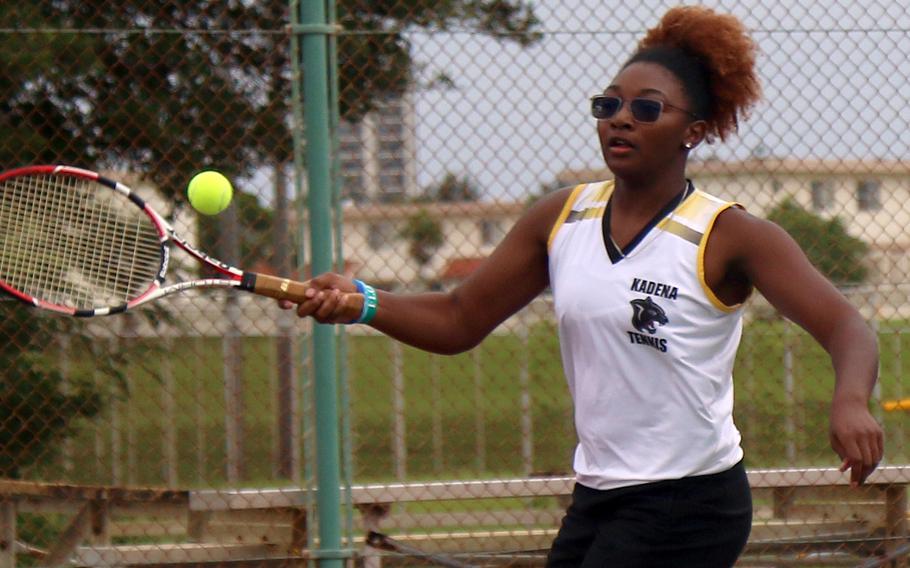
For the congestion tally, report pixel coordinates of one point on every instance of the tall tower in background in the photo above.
(377, 154)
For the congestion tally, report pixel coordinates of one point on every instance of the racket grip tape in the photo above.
(294, 291)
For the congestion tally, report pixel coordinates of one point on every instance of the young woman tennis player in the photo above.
(649, 275)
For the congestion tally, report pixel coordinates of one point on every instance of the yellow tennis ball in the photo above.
(209, 192)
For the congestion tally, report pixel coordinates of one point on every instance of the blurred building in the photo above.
(376, 155)
(376, 250)
(868, 196)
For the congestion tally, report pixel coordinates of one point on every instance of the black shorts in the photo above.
(699, 521)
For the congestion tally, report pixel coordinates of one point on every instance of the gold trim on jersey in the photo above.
(680, 230)
(567, 208)
(589, 213)
(718, 303)
(691, 207)
(606, 189)
(696, 207)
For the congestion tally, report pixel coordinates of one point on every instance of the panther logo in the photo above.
(647, 315)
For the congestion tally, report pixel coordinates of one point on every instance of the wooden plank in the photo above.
(232, 499)
(132, 508)
(783, 499)
(816, 476)
(197, 525)
(100, 522)
(68, 492)
(275, 533)
(867, 512)
(299, 530)
(70, 538)
(121, 528)
(504, 518)
(480, 541)
(221, 500)
(261, 516)
(153, 509)
(458, 490)
(777, 530)
(896, 522)
(7, 534)
(238, 499)
(803, 561)
(146, 554)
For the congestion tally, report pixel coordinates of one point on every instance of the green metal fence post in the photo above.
(314, 30)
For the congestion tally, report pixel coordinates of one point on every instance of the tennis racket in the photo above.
(77, 243)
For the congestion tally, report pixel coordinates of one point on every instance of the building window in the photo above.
(348, 129)
(394, 146)
(822, 195)
(392, 195)
(868, 195)
(391, 182)
(390, 130)
(350, 147)
(393, 164)
(352, 188)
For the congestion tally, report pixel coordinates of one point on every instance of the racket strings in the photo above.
(75, 243)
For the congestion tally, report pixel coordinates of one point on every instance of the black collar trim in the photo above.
(613, 250)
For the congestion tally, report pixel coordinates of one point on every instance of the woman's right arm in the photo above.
(452, 322)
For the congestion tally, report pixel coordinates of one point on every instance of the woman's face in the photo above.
(632, 148)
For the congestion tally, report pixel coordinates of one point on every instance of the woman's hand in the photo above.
(857, 438)
(329, 300)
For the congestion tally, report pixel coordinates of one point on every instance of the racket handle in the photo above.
(294, 291)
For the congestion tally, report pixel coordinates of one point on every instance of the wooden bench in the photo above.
(99, 514)
(800, 512)
(803, 516)
(91, 508)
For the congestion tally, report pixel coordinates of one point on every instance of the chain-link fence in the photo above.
(184, 432)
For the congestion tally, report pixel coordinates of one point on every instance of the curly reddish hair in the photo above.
(724, 87)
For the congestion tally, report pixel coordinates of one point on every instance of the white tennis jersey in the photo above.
(647, 348)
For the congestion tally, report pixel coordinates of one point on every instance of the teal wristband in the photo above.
(370, 302)
(361, 289)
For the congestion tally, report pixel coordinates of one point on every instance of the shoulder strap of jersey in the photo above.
(587, 201)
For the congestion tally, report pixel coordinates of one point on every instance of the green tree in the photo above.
(544, 190)
(164, 89)
(167, 104)
(424, 235)
(215, 94)
(832, 250)
(452, 189)
(39, 405)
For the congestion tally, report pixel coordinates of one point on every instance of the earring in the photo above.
(688, 145)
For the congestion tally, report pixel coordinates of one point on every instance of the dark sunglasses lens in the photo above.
(645, 110)
(605, 107)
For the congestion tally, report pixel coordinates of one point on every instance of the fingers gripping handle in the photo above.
(294, 291)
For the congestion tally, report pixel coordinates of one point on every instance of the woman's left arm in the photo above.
(760, 253)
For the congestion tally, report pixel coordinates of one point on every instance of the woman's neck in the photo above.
(646, 196)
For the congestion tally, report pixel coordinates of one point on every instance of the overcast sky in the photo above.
(835, 78)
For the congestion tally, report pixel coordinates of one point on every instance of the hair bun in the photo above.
(723, 45)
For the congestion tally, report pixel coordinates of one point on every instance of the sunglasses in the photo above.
(643, 110)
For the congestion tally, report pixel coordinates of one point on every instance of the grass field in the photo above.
(461, 414)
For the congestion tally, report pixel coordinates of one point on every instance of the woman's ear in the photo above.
(695, 134)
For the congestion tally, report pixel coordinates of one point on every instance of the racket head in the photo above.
(75, 242)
